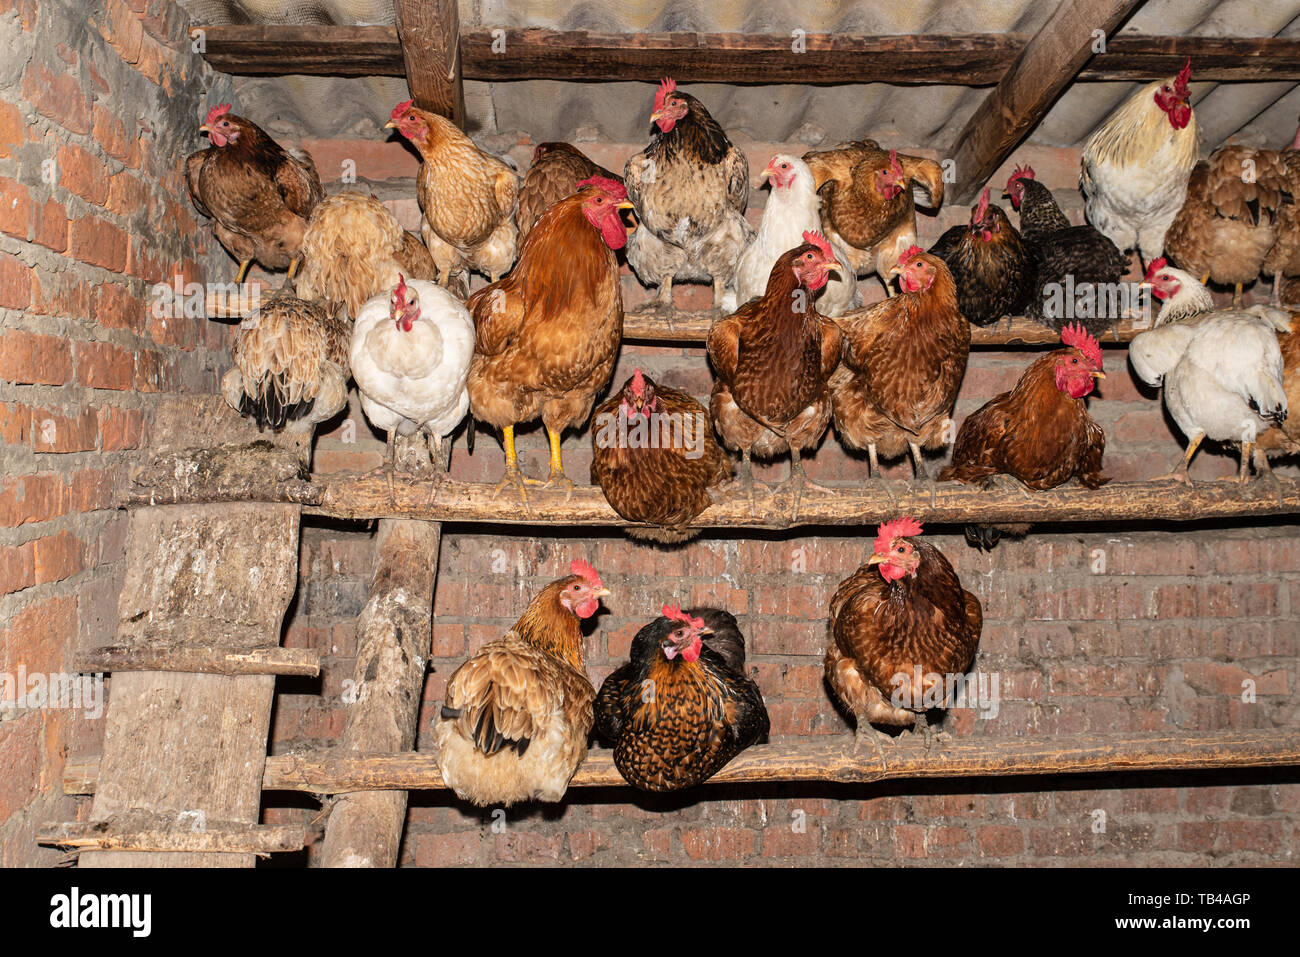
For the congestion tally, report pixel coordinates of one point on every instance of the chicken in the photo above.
(1227, 224)
(291, 365)
(354, 249)
(467, 197)
(793, 208)
(1222, 371)
(257, 194)
(1283, 439)
(410, 355)
(868, 203)
(690, 187)
(771, 361)
(548, 334)
(682, 707)
(1179, 299)
(514, 724)
(557, 170)
(1039, 432)
(900, 626)
(654, 456)
(1283, 259)
(993, 267)
(1077, 265)
(1135, 166)
(904, 359)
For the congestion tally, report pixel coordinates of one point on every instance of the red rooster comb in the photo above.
(818, 240)
(582, 567)
(983, 206)
(899, 527)
(667, 86)
(910, 253)
(399, 109)
(638, 383)
(894, 164)
(214, 114)
(1183, 79)
(1075, 335)
(610, 187)
(1020, 172)
(1155, 267)
(675, 613)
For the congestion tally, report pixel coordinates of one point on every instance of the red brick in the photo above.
(584, 844)
(444, 850)
(142, 263)
(32, 498)
(111, 134)
(718, 843)
(16, 201)
(58, 97)
(61, 294)
(658, 843)
(83, 174)
(39, 635)
(121, 29)
(997, 840)
(13, 131)
(15, 423)
(121, 429)
(90, 490)
(156, 371)
(126, 195)
(59, 556)
(17, 567)
(20, 756)
(117, 307)
(26, 358)
(15, 289)
(57, 432)
(50, 222)
(98, 242)
(102, 365)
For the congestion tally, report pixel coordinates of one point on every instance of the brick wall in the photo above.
(97, 103)
(1089, 629)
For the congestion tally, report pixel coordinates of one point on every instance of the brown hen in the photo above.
(1283, 441)
(654, 456)
(557, 170)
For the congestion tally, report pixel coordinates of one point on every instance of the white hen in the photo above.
(1221, 371)
(410, 358)
(793, 208)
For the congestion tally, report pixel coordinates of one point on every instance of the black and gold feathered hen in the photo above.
(682, 707)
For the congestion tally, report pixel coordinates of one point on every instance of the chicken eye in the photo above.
(599, 200)
(785, 166)
(1075, 361)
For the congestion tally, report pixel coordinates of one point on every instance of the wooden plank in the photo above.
(200, 660)
(185, 744)
(838, 759)
(351, 496)
(1032, 82)
(144, 832)
(429, 33)
(394, 634)
(979, 59)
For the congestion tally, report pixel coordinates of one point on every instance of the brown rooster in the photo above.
(1283, 259)
(557, 170)
(904, 359)
(467, 196)
(993, 267)
(291, 365)
(1227, 224)
(690, 187)
(1283, 440)
(514, 724)
(868, 204)
(548, 333)
(257, 194)
(899, 627)
(355, 249)
(1040, 432)
(771, 361)
(682, 707)
(654, 456)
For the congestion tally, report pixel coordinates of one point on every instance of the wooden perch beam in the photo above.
(351, 496)
(740, 58)
(185, 836)
(429, 34)
(1022, 98)
(832, 760)
(200, 660)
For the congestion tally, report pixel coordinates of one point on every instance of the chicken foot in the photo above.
(244, 265)
(1180, 474)
(918, 465)
(512, 475)
(868, 732)
(556, 478)
(797, 482)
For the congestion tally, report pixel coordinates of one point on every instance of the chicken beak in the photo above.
(1006, 194)
(390, 125)
(602, 592)
(626, 206)
(706, 631)
(1097, 374)
(896, 271)
(876, 559)
(205, 128)
(654, 117)
(834, 267)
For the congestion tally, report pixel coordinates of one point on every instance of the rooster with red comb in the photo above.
(257, 194)
(1039, 432)
(900, 626)
(690, 187)
(514, 724)
(682, 707)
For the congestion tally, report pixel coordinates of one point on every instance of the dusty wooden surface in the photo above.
(206, 660)
(833, 760)
(429, 34)
(185, 834)
(184, 744)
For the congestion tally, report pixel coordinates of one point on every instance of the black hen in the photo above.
(993, 266)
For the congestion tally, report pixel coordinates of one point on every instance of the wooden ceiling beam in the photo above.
(429, 34)
(959, 59)
(1031, 85)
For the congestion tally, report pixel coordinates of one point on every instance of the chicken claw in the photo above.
(515, 478)
(866, 731)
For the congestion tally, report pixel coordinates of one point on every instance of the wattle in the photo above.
(587, 608)
(613, 232)
(891, 573)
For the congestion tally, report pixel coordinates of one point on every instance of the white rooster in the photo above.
(1221, 370)
(1135, 166)
(793, 208)
(410, 358)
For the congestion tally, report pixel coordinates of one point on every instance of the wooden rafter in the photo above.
(175, 479)
(829, 759)
(429, 34)
(1031, 84)
(978, 59)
